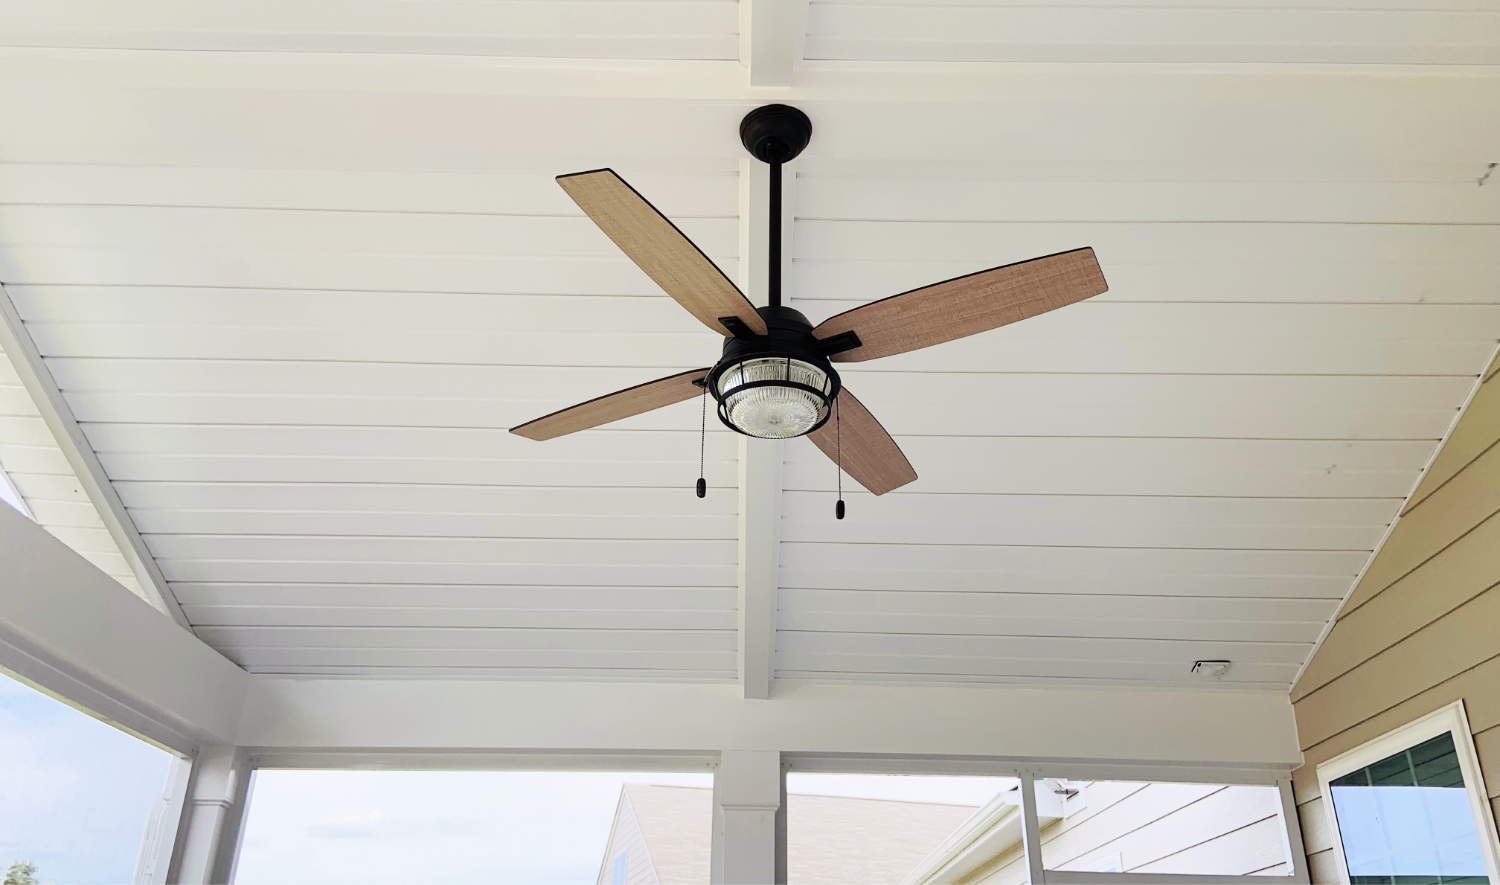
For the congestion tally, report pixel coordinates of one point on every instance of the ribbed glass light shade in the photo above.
(772, 411)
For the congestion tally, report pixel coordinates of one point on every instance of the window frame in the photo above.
(1451, 719)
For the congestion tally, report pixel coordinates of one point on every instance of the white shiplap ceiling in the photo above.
(295, 278)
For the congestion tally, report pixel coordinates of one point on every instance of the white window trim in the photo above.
(1450, 719)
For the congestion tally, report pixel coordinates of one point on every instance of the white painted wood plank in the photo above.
(368, 271)
(687, 30)
(271, 230)
(1061, 578)
(1072, 627)
(1098, 521)
(928, 199)
(49, 487)
(1093, 671)
(1108, 33)
(379, 498)
(900, 417)
(559, 348)
(25, 430)
(885, 678)
(679, 473)
(790, 643)
(392, 442)
(330, 311)
(1093, 565)
(1269, 398)
(65, 513)
(354, 190)
(1146, 243)
(996, 405)
(411, 616)
(682, 419)
(534, 659)
(467, 551)
(699, 526)
(34, 459)
(516, 600)
(446, 638)
(1133, 466)
(1399, 5)
(1279, 322)
(1465, 279)
(85, 540)
(289, 362)
(1103, 533)
(569, 574)
(850, 603)
(556, 674)
(1259, 393)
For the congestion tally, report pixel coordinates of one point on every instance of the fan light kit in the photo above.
(775, 378)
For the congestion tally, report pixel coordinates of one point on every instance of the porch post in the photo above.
(214, 817)
(747, 794)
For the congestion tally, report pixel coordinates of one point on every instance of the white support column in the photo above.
(213, 820)
(1296, 852)
(747, 795)
(1031, 830)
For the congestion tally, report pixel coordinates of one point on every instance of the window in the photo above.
(77, 792)
(1409, 807)
(365, 826)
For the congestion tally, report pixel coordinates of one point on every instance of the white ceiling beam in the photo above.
(1104, 84)
(1251, 730)
(49, 400)
(69, 628)
(759, 460)
(772, 36)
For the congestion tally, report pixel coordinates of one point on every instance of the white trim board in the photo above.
(49, 400)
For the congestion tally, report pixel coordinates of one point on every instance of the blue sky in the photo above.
(76, 792)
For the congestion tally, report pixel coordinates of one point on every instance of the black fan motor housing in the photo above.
(775, 133)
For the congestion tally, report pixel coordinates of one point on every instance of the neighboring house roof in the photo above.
(34, 466)
(831, 840)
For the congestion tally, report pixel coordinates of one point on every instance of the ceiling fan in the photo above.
(775, 378)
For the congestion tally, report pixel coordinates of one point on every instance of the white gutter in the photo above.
(988, 833)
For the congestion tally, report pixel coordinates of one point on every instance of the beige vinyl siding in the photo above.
(1159, 828)
(626, 836)
(1422, 628)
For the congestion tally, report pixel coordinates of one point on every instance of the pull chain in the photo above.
(838, 442)
(702, 442)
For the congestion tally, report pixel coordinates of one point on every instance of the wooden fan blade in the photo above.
(635, 400)
(869, 455)
(660, 249)
(967, 305)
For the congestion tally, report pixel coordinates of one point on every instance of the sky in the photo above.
(74, 792)
(77, 792)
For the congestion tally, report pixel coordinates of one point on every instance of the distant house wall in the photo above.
(625, 840)
(1158, 828)
(1421, 630)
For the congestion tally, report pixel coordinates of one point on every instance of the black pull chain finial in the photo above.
(702, 441)
(838, 441)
